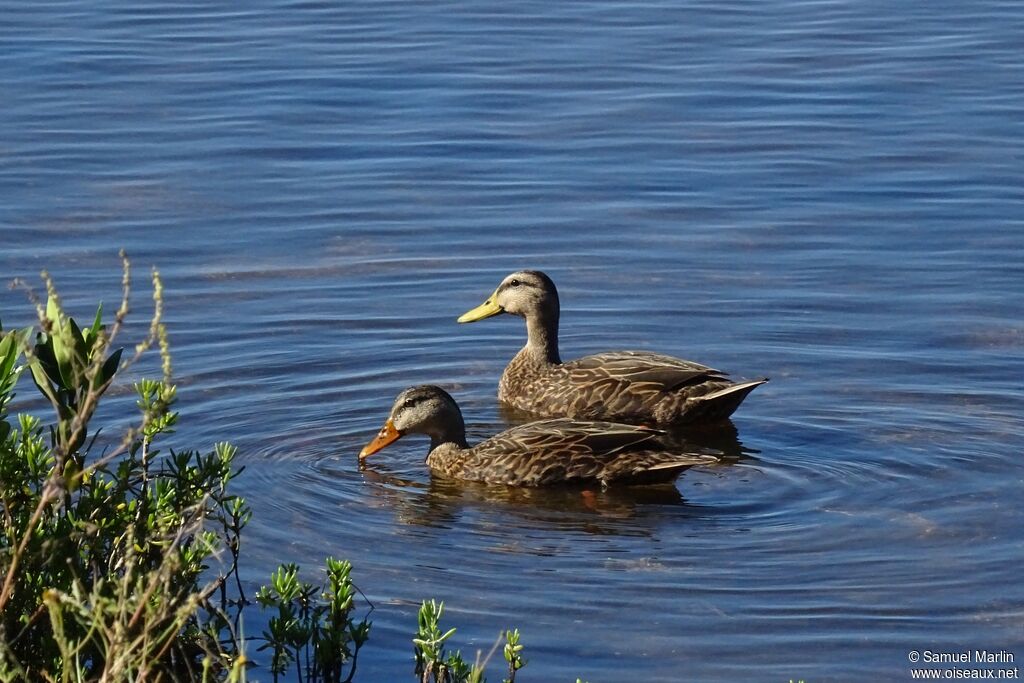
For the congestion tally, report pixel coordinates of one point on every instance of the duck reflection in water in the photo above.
(440, 502)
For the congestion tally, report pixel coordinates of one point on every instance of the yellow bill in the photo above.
(485, 310)
(387, 434)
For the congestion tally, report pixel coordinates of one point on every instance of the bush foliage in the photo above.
(105, 553)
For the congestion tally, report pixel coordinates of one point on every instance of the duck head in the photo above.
(424, 409)
(525, 293)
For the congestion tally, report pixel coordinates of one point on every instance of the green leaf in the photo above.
(43, 351)
(97, 323)
(63, 352)
(53, 312)
(9, 352)
(110, 367)
(42, 381)
(81, 348)
(6, 348)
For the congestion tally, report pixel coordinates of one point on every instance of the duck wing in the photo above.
(564, 437)
(633, 367)
(564, 451)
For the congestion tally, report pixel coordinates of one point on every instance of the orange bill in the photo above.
(387, 434)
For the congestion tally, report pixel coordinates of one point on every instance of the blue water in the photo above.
(827, 193)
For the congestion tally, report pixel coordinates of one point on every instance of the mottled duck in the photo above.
(544, 453)
(623, 386)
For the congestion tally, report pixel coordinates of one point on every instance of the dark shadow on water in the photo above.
(440, 502)
(721, 438)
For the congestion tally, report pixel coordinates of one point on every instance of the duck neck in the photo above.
(542, 336)
(456, 436)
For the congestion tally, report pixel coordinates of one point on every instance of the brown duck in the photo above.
(627, 386)
(545, 453)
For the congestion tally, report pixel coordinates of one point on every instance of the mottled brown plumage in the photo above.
(628, 386)
(544, 453)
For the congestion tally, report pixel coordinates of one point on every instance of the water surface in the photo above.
(827, 193)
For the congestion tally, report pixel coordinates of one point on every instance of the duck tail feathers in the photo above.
(719, 404)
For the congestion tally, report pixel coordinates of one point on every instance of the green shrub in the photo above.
(319, 632)
(314, 631)
(105, 556)
(435, 665)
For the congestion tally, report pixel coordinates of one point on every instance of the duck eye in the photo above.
(514, 283)
(409, 403)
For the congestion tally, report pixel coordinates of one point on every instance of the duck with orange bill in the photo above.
(543, 453)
